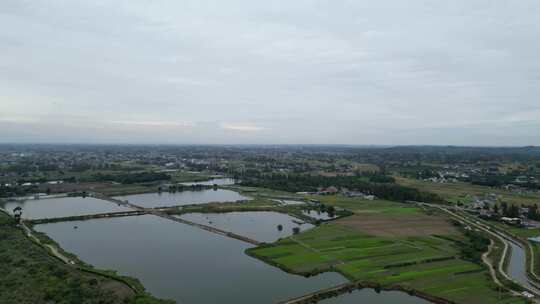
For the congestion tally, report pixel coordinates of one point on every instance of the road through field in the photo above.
(529, 287)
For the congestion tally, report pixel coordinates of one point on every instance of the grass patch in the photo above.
(426, 263)
(453, 192)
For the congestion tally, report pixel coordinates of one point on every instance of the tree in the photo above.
(331, 211)
(533, 212)
(17, 213)
(513, 211)
(504, 208)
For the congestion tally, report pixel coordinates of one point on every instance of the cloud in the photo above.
(241, 127)
(183, 124)
(18, 120)
(361, 72)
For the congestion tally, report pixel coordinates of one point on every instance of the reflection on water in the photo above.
(369, 296)
(181, 262)
(517, 265)
(215, 181)
(261, 226)
(62, 207)
(163, 199)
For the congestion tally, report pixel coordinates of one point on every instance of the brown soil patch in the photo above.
(399, 225)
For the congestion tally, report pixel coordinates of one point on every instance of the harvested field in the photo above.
(398, 225)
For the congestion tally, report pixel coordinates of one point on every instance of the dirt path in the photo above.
(53, 250)
(487, 261)
(500, 268)
(164, 215)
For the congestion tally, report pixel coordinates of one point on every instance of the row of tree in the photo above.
(311, 183)
(132, 178)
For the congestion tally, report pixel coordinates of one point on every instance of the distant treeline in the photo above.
(310, 183)
(13, 191)
(132, 178)
(500, 180)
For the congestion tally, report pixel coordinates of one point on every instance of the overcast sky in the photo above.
(460, 72)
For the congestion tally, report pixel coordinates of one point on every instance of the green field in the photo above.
(431, 264)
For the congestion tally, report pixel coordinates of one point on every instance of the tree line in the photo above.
(132, 178)
(312, 183)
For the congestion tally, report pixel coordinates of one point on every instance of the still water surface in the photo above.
(370, 296)
(181, 262)
(164, 199)
(517, 266)
(261, 226)
(62, 207)
(215, 181)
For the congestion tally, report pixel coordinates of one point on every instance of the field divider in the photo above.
(157, 212)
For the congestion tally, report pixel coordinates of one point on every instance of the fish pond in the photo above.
(62, 207)
(166, 199)
(181, 262)
(262, 226)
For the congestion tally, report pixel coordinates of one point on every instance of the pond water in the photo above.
(215, 181)
(165, 199)
(318, 215)
(182, 262)
(261, 226)
(62, 207)
(370, 296)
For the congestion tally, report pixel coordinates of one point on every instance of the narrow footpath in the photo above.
(164, 215)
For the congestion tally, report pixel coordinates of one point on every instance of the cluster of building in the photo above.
(344, 191)
(484, 208)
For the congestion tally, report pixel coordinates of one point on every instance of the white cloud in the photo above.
(359, 72)
(183, 124)
(241, 127)
(19, 120)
